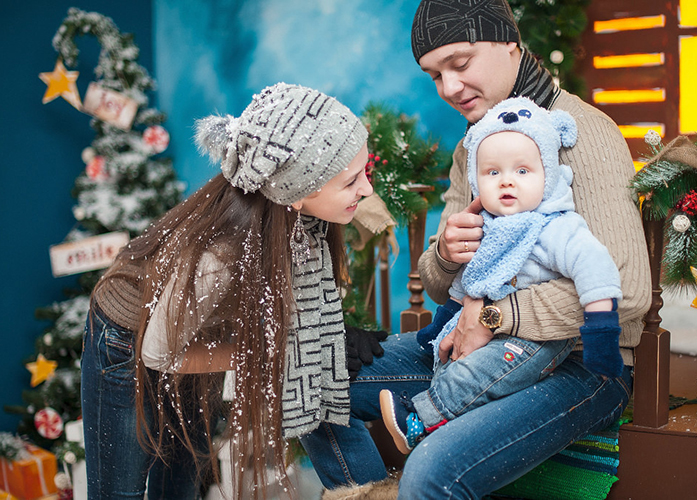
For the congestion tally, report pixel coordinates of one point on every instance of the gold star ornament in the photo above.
(41, 370)
(61, 83)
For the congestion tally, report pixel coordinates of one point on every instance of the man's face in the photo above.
(473, 77)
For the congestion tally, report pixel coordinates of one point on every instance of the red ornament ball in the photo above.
(156, 138)
(96, 168)
(48, 423)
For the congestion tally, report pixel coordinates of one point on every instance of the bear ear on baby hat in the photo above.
(566, 126)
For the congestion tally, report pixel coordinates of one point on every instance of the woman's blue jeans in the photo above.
(117, 466)
(478, 452)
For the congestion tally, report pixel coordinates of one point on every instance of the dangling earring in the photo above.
(300, 243)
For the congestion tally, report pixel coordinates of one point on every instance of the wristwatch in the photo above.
(490, 315)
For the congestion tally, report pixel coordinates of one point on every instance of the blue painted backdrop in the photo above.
(213, 56)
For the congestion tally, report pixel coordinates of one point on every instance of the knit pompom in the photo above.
(217, 136)
(566, 126)
(213, 135)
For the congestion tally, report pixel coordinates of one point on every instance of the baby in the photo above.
(531, 234)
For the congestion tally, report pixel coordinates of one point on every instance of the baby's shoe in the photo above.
(401, 420)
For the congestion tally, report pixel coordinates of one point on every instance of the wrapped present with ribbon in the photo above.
(28, 473)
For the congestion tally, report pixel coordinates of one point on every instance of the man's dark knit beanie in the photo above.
(440, 22)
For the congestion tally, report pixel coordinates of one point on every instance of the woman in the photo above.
(241, 276)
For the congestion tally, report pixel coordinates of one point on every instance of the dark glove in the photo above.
(601, 343)
(444, 314)
(361, 346)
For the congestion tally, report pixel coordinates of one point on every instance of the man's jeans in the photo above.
(478, 452)
(117, 466)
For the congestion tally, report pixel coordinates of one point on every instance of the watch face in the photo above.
(490, 317)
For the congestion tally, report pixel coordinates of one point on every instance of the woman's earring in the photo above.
(300, 243)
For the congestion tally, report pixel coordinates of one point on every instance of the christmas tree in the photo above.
(126, 184)
(554, 41)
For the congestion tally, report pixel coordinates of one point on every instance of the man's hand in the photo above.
(463, 230)
(468, 335)
(361, 346)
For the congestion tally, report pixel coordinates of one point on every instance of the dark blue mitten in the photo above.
(601, 343)
(444, 314)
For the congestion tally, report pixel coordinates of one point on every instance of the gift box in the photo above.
(7, 496)
(31, 475)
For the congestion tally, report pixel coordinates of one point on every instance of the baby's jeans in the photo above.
(504, 366)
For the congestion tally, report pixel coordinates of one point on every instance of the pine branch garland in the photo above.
(666, 189)
(401, 156)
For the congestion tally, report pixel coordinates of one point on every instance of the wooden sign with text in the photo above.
(89, 254)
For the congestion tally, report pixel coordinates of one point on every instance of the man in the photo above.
(471, 49)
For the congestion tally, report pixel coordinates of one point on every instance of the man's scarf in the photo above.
(534, 82)
(316, 383)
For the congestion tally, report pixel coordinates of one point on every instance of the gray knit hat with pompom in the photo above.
(289, 142)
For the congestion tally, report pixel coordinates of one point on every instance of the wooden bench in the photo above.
(658, 449)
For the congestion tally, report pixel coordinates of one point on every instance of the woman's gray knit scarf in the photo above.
(316, 383)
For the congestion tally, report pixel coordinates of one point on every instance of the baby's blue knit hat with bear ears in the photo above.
(551, 130)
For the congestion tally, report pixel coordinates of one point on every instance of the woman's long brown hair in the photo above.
(250, 236)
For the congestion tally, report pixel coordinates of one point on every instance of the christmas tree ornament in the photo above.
(78, 212)
(681, 223)
(41, 370)
(96, 168)
(556, 56)
(87, 154)
(156, 138)
(48, 423)
(110, 106)
(62, 481)
(70, 458)
(652, 138)
(61, 83)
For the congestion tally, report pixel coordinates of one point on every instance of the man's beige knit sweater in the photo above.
(602, 167)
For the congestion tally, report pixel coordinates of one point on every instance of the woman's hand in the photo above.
(463, 230)
(468, 335)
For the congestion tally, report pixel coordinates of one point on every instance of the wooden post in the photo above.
(416, 317)
(652, 367)
(384, 265)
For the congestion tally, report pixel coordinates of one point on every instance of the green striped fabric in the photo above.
(585, 470)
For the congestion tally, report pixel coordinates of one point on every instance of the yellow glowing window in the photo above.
(629, 60)
(628, 96)
(688, 84)
(688, 13)
(629, 23)
(638, 130)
